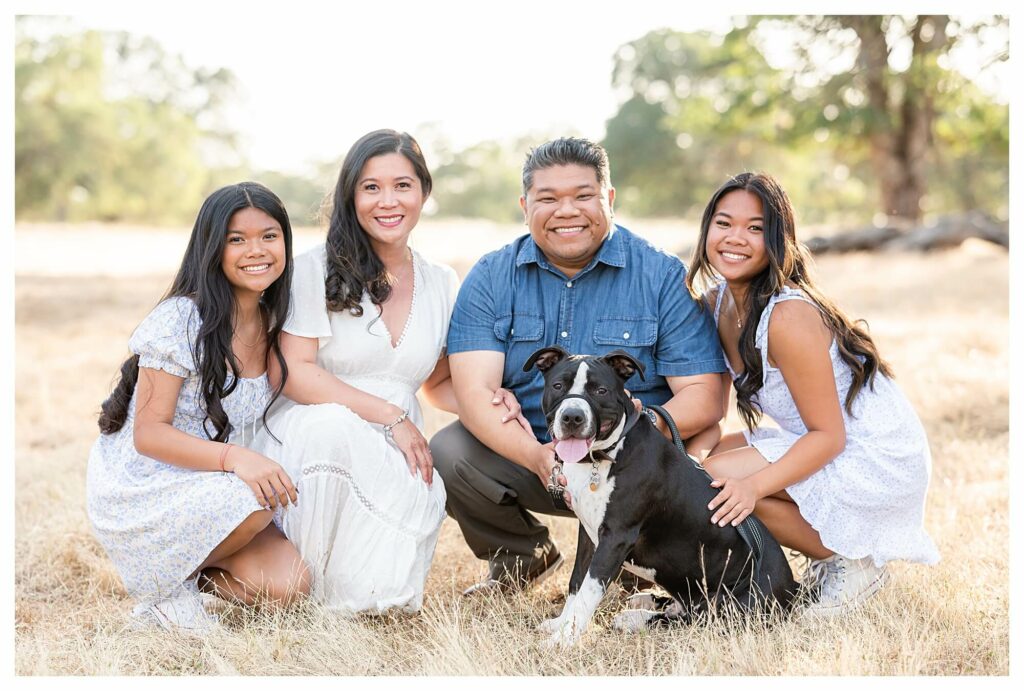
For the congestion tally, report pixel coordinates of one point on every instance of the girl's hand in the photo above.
(265, 478)
(637, 403)
(515, 411)
(734, 502)
(417, 452)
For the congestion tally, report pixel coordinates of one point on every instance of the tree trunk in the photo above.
(918, 115)
(900, 130)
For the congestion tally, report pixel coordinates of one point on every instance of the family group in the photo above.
(265, 441)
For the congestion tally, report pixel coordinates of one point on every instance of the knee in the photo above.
(448, 449)
(288, 583)
(326, 427)
(712, 467)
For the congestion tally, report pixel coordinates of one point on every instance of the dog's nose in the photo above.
(573, 417)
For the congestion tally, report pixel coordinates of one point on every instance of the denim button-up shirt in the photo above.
(631, 296)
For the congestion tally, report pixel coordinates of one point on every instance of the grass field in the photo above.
(941, 320)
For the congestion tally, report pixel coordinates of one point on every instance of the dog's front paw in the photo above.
(564, 637)
(633, 620)
(550, 625)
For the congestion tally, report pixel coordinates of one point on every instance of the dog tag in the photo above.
(595, 478)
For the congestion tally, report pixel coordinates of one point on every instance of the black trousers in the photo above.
(492, 499)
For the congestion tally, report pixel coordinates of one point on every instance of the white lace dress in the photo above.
(158, 522)
(868, 500)
(364, 525)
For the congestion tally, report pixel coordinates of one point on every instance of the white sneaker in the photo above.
(183, 612)
(844, 584)
(810, 572)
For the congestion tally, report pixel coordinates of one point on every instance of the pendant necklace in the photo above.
(259, 335)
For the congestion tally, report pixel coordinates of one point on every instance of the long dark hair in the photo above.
(201, 279)
(352, 266)
(788, 262)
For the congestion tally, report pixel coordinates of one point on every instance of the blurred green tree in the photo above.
(109, 126)
(481, 181)
(866, 116)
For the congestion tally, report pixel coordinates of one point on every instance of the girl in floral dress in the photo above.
(172, 491)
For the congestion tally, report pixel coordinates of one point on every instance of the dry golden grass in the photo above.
(941, 319)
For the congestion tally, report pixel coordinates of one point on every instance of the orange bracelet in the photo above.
(223, 455)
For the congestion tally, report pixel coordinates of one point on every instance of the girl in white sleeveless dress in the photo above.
(367, 331)
(843, 477)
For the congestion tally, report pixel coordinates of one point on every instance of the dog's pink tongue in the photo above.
(572, 450)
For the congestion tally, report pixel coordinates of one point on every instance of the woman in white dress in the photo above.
(844, 476)
(172, 492)
(367, 330)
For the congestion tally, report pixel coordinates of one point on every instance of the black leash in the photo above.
(751, 526)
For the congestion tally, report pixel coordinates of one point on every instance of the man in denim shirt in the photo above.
(580, 282)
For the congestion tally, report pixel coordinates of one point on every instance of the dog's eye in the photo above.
(557, 386)
(601, 391)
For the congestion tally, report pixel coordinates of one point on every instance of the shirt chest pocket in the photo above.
(635, 335)
(523, 335)
(626, 332)
(518, 328)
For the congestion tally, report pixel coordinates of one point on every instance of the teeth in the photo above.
(574, 229)
(256, 269)
(389, 219)
(730, 255)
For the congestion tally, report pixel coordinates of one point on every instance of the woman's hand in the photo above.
(265, 478)
(515, 411)
(417, 452)
(734, 502)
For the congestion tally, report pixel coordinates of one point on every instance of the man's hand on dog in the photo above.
(734, 502)
(544, 459)
(543, 462)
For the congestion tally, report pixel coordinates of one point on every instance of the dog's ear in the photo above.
(546, 358)
(624, 364)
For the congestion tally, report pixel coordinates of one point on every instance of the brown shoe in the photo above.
(511, 581)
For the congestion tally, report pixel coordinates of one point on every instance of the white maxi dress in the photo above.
(364, 525)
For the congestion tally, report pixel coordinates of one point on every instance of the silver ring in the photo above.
(554, 488)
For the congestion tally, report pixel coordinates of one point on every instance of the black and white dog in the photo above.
(642, 505)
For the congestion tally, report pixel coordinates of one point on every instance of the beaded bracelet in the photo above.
(401, 418)
(224, 455)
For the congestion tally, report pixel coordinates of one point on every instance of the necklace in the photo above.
(736, 308)
(395, 278)
(259, 335)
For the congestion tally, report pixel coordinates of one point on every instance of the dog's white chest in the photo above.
(589, 505)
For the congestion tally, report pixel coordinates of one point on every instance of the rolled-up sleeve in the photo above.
(473, 319)
(687, 339)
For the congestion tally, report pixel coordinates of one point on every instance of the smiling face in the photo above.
(569, 214)
(735, 240)
(388, 200)
(254, 252)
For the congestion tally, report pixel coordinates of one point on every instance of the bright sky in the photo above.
(315, 78)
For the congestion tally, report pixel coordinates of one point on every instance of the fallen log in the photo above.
(947, 231)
